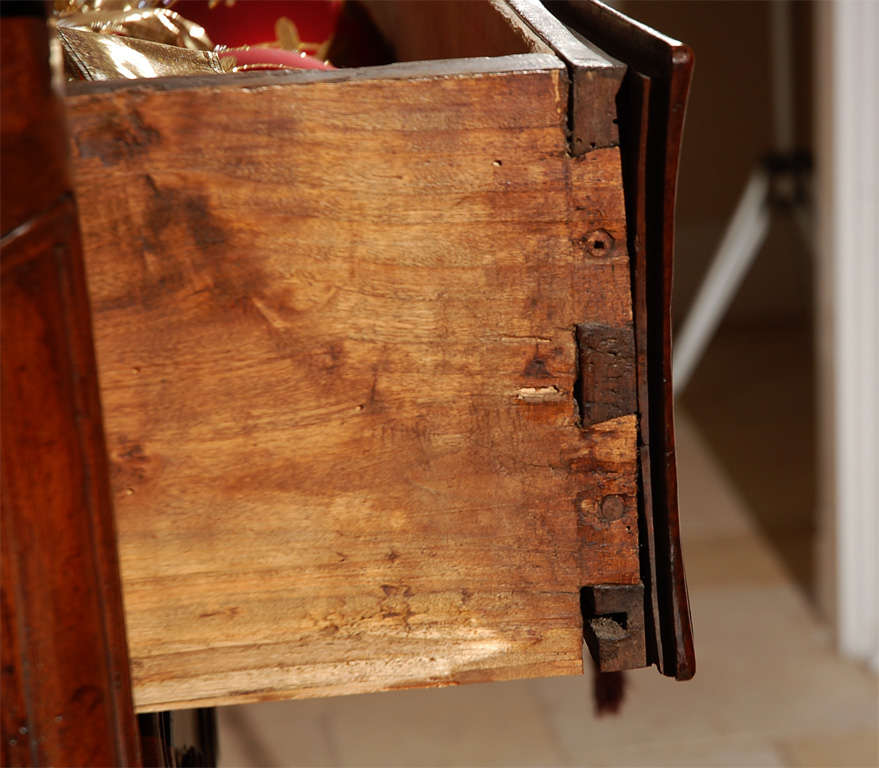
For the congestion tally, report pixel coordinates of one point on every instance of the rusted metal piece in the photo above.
(613, 625)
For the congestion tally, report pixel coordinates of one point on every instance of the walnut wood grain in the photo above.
(66, 698)
(335, 324)
(31, 116)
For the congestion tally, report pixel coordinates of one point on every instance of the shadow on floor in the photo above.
(753, 399)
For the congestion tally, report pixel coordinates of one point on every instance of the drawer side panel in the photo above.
(336, 328)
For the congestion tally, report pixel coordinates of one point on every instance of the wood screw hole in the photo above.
(599, 244)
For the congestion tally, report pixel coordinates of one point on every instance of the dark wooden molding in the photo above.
(66, 693)
(652, 106)
(594, 78)
(633, 103)
(648, 77)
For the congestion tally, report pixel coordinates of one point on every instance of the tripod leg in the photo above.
(740, 245)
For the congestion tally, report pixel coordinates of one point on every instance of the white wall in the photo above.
(847, 322)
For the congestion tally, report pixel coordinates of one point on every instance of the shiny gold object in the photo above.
(98, 56)
(115, 39)
(64, 7)
(157, 25)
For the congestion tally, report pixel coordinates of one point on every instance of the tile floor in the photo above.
(768, 691)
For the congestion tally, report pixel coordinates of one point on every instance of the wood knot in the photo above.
(611, 508)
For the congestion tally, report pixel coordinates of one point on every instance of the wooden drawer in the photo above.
(383, 356)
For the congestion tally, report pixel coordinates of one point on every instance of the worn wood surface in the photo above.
(336, 333)
(65, 694)
(607, 373)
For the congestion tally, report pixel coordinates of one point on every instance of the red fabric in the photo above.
(271, 58)
(251, 22)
